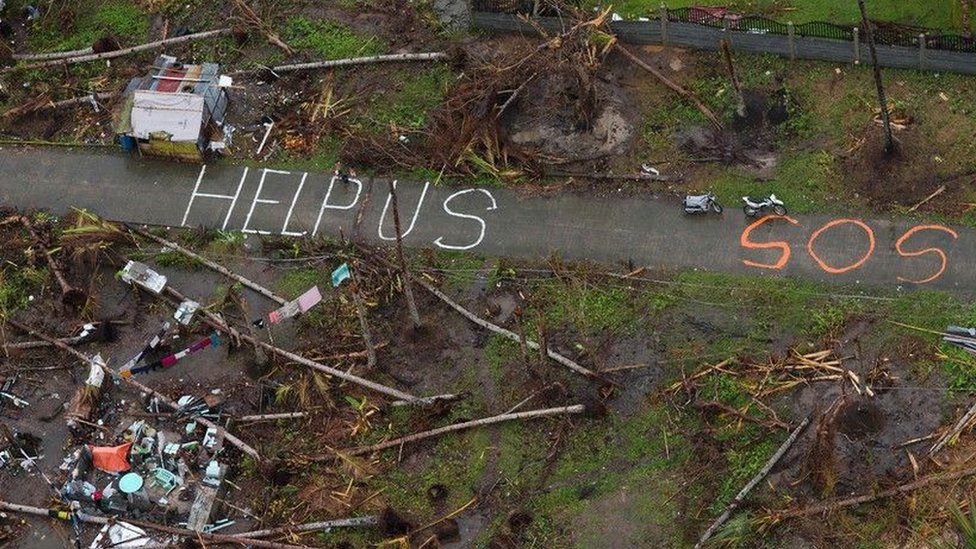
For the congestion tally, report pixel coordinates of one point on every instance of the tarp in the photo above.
(111, 459)
(178, 114)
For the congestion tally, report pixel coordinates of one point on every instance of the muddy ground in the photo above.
(559, 482)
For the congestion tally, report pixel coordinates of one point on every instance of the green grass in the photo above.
(940, 14)
(407, 101)
(808, 181)
(127, 21)
(831, 109)
(616, 467)
(172, 258)
(16, 285)
(460, 269)
(744, 460)
(329, 39)
(583, 307)
(294, 282)
(321, 159)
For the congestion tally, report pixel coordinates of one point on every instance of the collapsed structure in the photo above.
(176, 111)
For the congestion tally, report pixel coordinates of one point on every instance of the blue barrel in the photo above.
(128, 143)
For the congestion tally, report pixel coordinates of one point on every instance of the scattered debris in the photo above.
(142, 276)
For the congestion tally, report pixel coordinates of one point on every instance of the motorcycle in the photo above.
(701, 203)
(757, 206)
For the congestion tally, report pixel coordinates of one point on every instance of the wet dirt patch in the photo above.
(860, 418)
(641, 377)
(902, 178)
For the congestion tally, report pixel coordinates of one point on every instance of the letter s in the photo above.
(481, 236)
(917, 253)
(749, 244)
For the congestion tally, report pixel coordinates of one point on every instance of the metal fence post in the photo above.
(921, 52)
(857, 47)
(664, 24)
(791, 32)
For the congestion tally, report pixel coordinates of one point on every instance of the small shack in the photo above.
(175, 111)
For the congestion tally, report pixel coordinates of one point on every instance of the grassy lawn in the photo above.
(939, 14)
(127, 21)
(809, 173)
(328, 39)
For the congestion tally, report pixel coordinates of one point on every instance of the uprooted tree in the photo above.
(465, 134)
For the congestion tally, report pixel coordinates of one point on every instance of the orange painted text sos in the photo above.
(902, 246)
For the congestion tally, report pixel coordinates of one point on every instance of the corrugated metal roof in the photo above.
(179, 99)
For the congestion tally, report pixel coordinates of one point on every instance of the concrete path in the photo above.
(492, 221)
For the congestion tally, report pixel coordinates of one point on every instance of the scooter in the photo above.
(759, 206)
(701, 203)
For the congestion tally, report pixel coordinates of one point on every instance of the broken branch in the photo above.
(255, 20)
(210, 264)
(726, 409)
(828, 506)
(324, 525)
(182, 532)
(937, 192)
(219, 324)
(787, 444)
(392, 58)
(502, 331)
(272, 417)
(574, 409)
(953, 434)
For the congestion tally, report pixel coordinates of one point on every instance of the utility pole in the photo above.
(889, 139)
(404, 272)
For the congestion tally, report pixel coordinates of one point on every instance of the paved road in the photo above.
(492, 221)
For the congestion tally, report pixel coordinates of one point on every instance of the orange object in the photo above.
(111, 459)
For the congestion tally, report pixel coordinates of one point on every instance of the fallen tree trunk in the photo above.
(70, 296)
(678, 89)
(73, 340)
(244, 447)
(338, 523)
(210, 264)
(120, 53)
(787, 444)
(182, 532)
(272, 417)
(52, 55)
(219, 324)
(507, 333)
(828, 506)
(574, 409)
(35, 106)
(391, 58)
